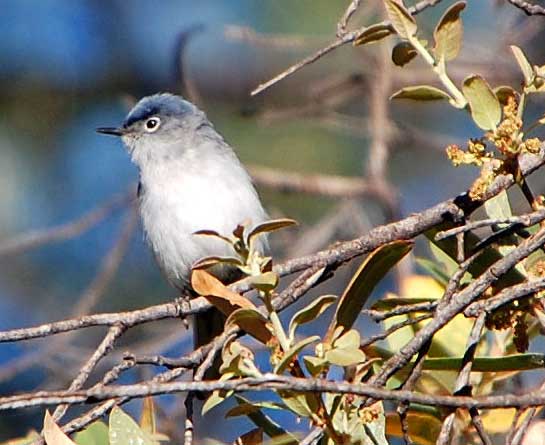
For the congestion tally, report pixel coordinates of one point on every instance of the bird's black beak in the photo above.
(111, 130)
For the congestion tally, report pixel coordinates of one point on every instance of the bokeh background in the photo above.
(69, 66)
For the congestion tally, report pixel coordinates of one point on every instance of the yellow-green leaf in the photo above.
(265, 282)
(246, 407)
(94, 434)
(315, 365)
(422, 93)
(53, 435)
(449, 32)
(210, 261)
(375, 266)
(345, 357)
(124, 430)
(525, 67)
(484, 105)
(217, 396)
(310, 313)
(373, 33)
(271, 226)
(403, 53)
(302, 404)
(401, 19)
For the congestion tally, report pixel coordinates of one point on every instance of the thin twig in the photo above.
(346, 38)
(527, 7)
(267, 382)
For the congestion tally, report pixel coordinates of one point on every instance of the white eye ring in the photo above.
(152, 124)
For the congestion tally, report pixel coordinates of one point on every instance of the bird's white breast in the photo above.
(182, 196)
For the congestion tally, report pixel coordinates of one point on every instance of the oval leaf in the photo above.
(524, 65)
(373, 33)
(403, 53)
(345, 357)
(484, 105)
(375, 266)
(124, 430)
(251, 321)
(422, 93)
(94, 434)
(449, 32)
(401, 19)
(310, 313)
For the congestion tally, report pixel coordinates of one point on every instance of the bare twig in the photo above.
(346, 38)
(527, 7)
(267, 382)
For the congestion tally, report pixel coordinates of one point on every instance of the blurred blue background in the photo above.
(69, 66)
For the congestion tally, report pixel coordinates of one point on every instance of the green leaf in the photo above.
(94, 434)
(217, 396)
(403, 53)
(372, 270)
(345, 357)
(372, 34)
(434, 270)
(310, 313)
(294, 350)
(376, 430)
(499, 207)
(401, 19)
(302, 404)
(346, 350)
(315, 365)
(124, 430)
(247, 407)
(484, 105)
(421, 93)
(508, 363)
(525, 67)
(265, 282)
(449, 33)
(210, 261)
(271, 428)
(271, 226)
(424, 428)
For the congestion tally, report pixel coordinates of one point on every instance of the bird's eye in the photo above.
(152, 124)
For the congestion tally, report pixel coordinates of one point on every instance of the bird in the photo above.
(190, 179)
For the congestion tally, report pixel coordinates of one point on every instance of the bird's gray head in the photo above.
(158, 127)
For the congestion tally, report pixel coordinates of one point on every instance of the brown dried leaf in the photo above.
(403, 53)
(373, 33)
(53, 435)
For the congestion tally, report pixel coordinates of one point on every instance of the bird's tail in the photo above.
(206, 326)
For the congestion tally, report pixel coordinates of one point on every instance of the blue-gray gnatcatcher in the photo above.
(190, 180)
